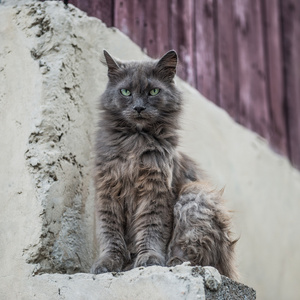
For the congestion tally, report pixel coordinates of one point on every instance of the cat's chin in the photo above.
(142, 124)
(141, 121)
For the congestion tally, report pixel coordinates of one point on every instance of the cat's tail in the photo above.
(202, 232)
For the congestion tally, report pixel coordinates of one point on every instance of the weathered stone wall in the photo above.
(58, 146)
(50, 79)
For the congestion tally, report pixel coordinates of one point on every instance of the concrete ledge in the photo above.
(176, 283)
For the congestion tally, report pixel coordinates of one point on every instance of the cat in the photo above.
(153, 205)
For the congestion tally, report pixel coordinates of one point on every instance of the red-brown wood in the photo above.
(174, 26)
(273, 51)
(138, 22)
(123, 18)
(102, 9)
(83, 5)
(227, 59)
(253, 104)
(151, 25)
(186, 40)
(163, 29)
(291, 34)
(206, 81)
(244, 55)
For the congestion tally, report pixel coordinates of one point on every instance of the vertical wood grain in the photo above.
(227, 60)
(206, 81)
(123, 17)
(291, 54)
(244, 55)
(102, 9)
(174, 29)
(186, 39)
(253, 103)
(163, 30)
(273, 51)
(152, 23)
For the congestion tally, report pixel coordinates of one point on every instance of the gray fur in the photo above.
(153, 206)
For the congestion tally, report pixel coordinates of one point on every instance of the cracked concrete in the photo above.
(51, 76)
(57, 150)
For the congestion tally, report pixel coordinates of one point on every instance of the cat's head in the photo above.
(142, 93)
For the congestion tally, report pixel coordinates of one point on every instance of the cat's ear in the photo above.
(166, 66)
(112, 65)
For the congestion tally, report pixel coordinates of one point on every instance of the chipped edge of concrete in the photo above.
(62, 246)
(182, 282)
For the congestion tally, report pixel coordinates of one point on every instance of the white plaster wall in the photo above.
(261, 188)
(50, 79)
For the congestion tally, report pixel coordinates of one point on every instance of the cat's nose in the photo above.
(139, 109)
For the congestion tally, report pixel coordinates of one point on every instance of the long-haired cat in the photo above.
(153, 205)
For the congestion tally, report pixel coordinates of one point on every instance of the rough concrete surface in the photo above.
(50, 79)
(157, 283)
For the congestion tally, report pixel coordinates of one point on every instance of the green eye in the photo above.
(125, 92)
(154, 92)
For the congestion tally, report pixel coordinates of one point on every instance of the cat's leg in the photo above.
(201, 231)
(152, 222)
(113, 254)
(153, 230)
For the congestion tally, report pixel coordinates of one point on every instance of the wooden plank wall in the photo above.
(244, 55)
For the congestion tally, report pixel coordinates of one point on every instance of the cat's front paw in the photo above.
(149, 259)
(107, 263)
(174, 261)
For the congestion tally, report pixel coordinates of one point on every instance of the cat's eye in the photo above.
(154, 92)
(125, 92)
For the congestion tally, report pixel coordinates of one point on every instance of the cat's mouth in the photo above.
(143, 115)
(139, 119)
(139, 116)
(142, 118)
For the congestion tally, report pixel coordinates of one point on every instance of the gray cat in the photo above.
(153, 205)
